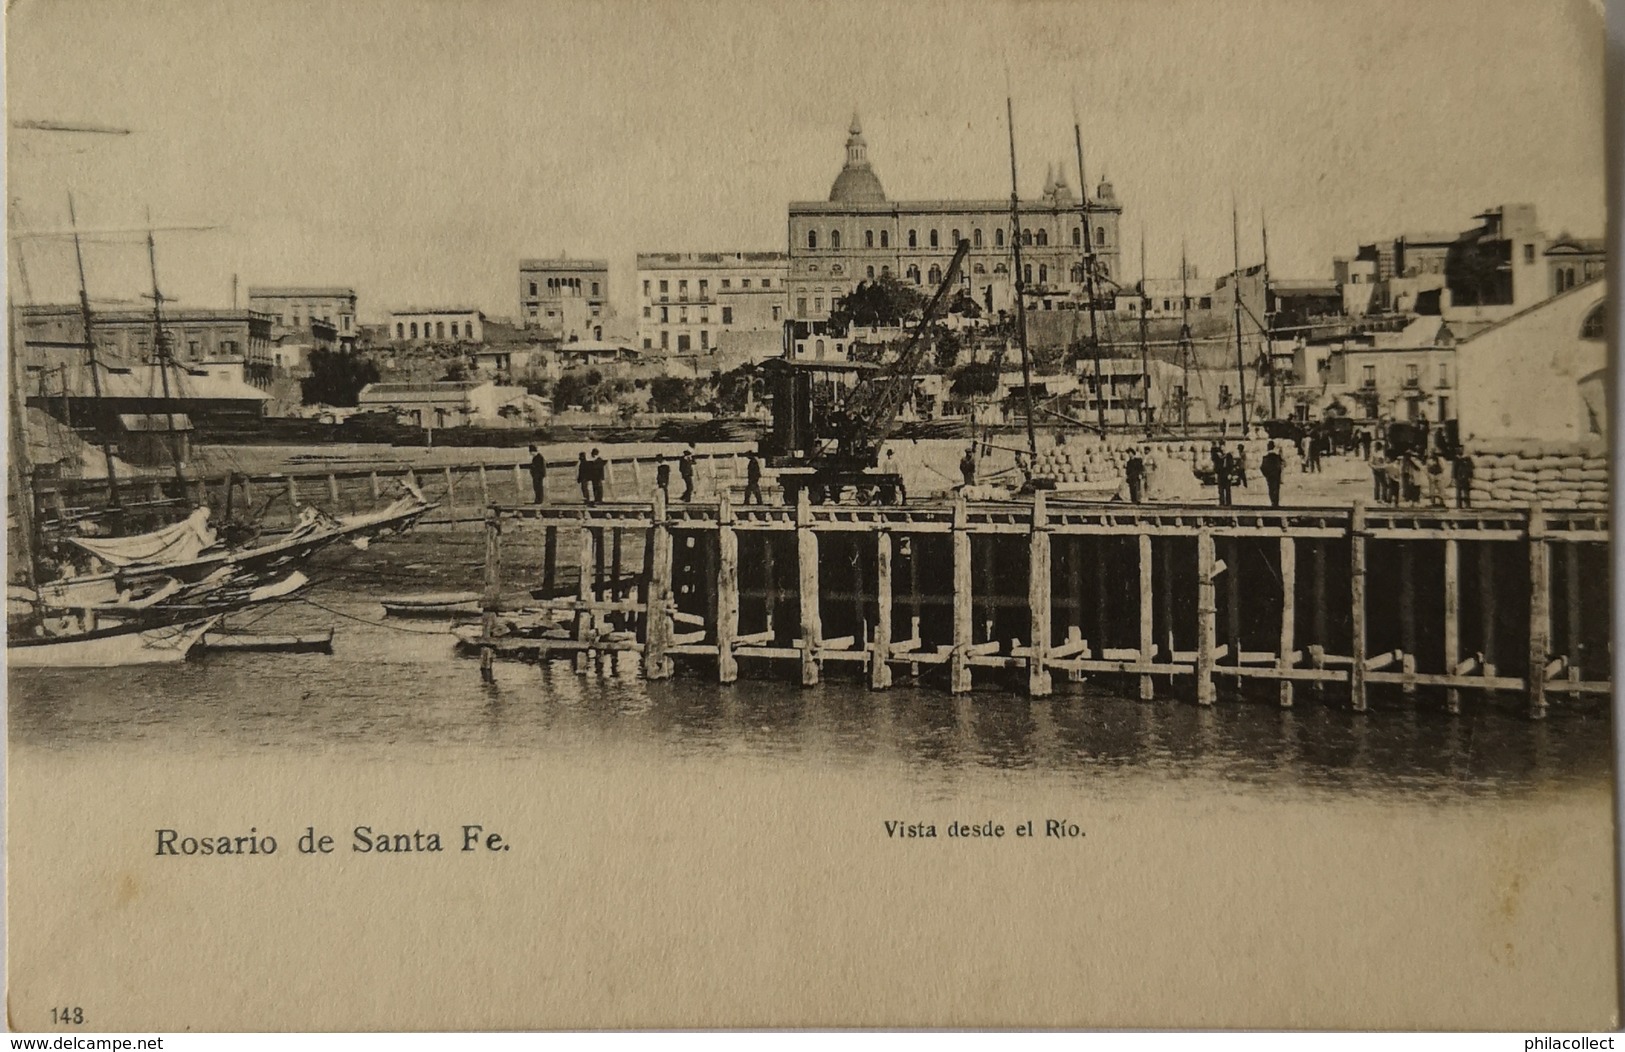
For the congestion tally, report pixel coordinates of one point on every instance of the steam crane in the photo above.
(828, 452)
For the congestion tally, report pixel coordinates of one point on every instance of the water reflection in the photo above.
(389, 694)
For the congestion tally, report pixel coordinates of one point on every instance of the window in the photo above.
(819, 350)
(868, 239)
(682, 289)
(869, 272)
(1529, 253)
(936, 275)
(1077, 273)
(1224, 394)
(533, 287)
(818, 304)
(837, 269)
(801, 306)
(1041, 238)
(745, 284)
(1027, 273)
(998, 238)
(1026, 237)
(834, 239)
(705, 315)
(812, 239)
(705, 339)
(664, 287)
(648, 344)
(885, 239)
(776, 312)
(1369, 376)
(955, 240)
(1077, 236)
(648, 312)
(705, 288)
(913, 240)
(665, 315)
(228, 347)
(645, 289)
(1100, 235)
(913, 273)
(439, 330)
(727, 283)
(979, 269)
(976, 238)
(1205, 303)
(296, 321)
(1595, 327)
(595, 288)
(665, 339)
(414, 330)
(280, 320)
(885, 269)
(1444, 374)
(1105, 270)
(454, 330)
(767, 283)
(933, 239)
(1000, 268)
(727, 315)
(1413, 374)
(1043, 273)
(191, 348)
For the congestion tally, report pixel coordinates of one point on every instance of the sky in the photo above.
(417, 150)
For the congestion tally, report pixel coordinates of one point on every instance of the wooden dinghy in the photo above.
(432, 604)
(304, 643)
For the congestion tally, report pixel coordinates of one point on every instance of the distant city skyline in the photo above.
(416, 152)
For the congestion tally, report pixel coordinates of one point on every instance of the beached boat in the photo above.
(306, 643)
(119, 645)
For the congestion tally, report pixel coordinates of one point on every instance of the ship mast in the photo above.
(1241, 362)
(1145, 365)
(1021, 286)
(1269, 321)
(22, 491)
(161, 347)
(1185, 345)
(1089, 272)
(90, 357)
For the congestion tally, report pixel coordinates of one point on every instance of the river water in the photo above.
(395, 689)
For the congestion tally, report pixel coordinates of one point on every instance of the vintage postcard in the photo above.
(633, 514)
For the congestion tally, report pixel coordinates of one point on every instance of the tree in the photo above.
(577, 389)
(974, 379)
(456, 371)
(946, 349)
(735, 388)
(669, 394)
(336, 377)
(884, 301)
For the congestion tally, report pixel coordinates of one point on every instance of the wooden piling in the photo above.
(1357, 539)
(807, 582)
(1038, 601)
(372, 481)
(485, 488)
(1571, 600)
(1540, 611)
(657, 617)
(770, 579)
(493, 592)
(1318, 598)
(1289, 614)
(1207, 618)
(1452, 619)
(1232, 600)
(293, 497)
(333, 489)
(519, 492)
(1486, 605)
(1148, 643)
(1407, 605)
(727, 592)
(880, 649)
(959, 662)
(1165, 599)
(585, 627)
(451, 489)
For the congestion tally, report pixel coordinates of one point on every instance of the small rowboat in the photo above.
(434, 604)
(310, 643)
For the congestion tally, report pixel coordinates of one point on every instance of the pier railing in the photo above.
(1184, 597)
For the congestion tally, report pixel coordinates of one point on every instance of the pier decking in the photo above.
(1165, 599)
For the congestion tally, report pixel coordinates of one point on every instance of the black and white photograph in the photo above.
(617, 514)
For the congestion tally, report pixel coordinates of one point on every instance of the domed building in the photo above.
(857, 235)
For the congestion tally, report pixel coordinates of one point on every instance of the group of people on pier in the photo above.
(1407, 477)
(592, 475)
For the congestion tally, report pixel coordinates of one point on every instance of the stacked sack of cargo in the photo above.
(1092, 461)
(1559, 476)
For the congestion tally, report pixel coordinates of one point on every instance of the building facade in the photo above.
(296, 307)
(858, 234)
(561, 296)
(687, 300)
(128, 337)
(437, 325)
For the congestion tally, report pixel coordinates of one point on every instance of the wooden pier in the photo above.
(1163, 600)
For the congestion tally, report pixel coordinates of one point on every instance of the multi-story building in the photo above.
(858, 235)
(1575, 260)
(128, 337)
(563, 296)
(437, 325)
(687, 300)
(295, 308)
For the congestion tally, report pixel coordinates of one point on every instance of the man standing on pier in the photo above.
(663, 475)
(753, 478)
(1461, 472)
(1226, 468)
(685, 468)
(967, 466)
(1134, 472)
(1270, 468)
(584, 477)
(600, 471)
(538, 474)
